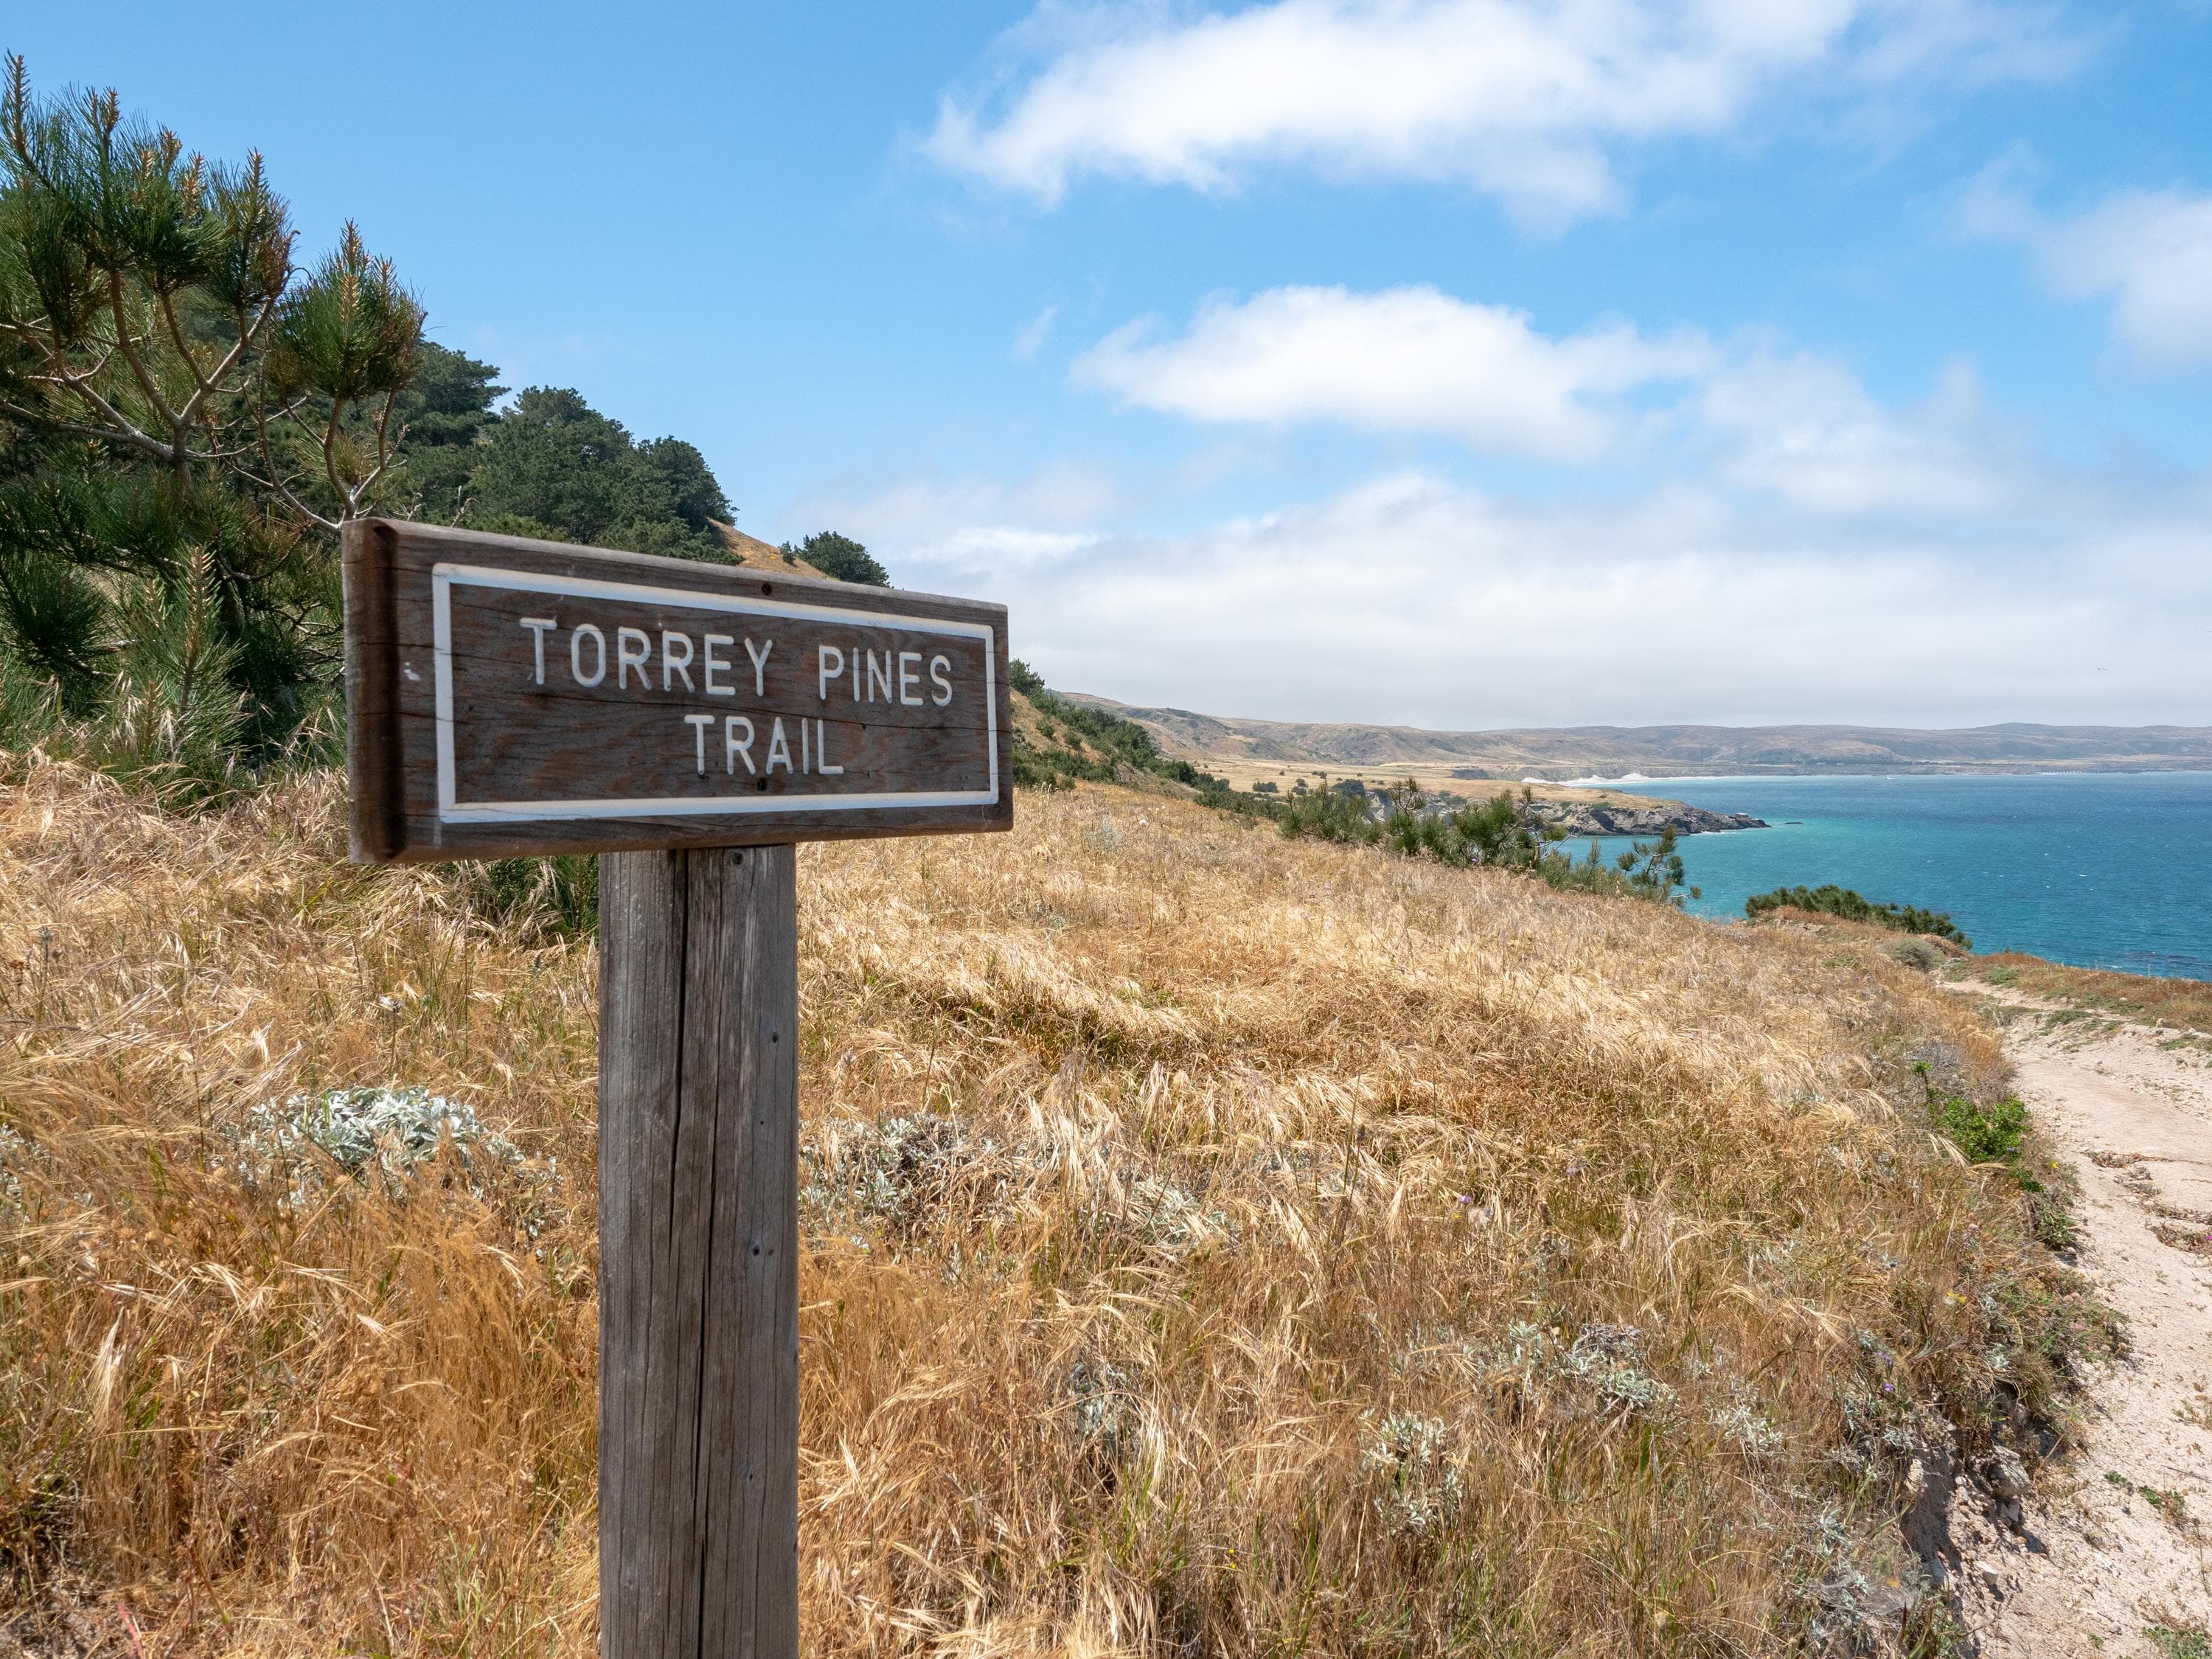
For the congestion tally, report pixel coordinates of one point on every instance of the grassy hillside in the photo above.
(1215, 1244)
(751, 553)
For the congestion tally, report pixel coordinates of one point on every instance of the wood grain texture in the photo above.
(373, 757)
(530, 735)
(699, 1255)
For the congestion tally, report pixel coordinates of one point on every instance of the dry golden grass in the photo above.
(2186, 1003)
(1216, 1244)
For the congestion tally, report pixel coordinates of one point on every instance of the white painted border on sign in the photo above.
(446, 577)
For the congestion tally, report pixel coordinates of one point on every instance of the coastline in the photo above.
(1646, 785)
(2104, 872)
(1243, 744)
(1641, 815)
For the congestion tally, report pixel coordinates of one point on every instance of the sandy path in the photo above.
(2103, 1560)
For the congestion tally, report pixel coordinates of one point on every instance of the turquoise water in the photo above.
(2109, 870)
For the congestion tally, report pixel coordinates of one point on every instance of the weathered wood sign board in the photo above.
(509, 697)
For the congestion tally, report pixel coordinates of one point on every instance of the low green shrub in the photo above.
(1833, 901)
(1990, 1133)
(1087, 743)
(1999, 1132)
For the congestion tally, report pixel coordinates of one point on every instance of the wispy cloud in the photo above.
(969, 523)
(1756, 418)
(1524, 102)
(1799, 427)
(1034, 333)
(2149, 251)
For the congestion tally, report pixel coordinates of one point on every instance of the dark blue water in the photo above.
(2109, 870)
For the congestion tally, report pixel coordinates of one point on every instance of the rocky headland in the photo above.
(1641, 818)
(1578, 815)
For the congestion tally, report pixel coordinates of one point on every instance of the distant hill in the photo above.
(1660, 751)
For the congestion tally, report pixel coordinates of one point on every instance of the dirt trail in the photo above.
(2116, 1556)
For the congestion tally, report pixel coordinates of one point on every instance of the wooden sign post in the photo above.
(687, 722)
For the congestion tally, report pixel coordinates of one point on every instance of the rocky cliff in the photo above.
(1636, 815)
(1580, 818)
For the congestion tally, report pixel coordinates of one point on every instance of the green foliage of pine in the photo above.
(843, 557)
(351, 332)
(86, 547)
(442, 413)
(1842, 901)
(169, 717)
(186, 418)
(557, 466)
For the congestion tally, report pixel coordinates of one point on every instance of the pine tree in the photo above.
(841, 556)
(186, 419)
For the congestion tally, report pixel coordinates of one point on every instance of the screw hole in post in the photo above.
(766, 588)
(763, 784)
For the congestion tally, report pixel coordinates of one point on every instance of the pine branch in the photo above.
(276, 482)
(123, 343)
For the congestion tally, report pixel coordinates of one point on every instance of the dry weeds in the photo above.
(1216, 1244)
(2183, 1003)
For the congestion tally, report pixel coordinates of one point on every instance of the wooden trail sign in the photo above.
(687, 722)
(509, 696)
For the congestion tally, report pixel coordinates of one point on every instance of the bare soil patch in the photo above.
(2113, 1556)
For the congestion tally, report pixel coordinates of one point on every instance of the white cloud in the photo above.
(1965, 44)
(1792, 425)
(1416, 600)
(2149, 251)
(967, 523)
(1405, 359)
(1799, 549)
(1801, 428)
(1520, 99)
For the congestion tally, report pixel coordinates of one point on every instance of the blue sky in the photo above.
(1455, 362)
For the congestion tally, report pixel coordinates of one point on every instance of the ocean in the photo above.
(2102, 870)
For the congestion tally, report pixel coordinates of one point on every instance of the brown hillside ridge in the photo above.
(1661, 752)
(751, 553)
(1579, 812)
(1789, 915)
(1925, 951)
(1029, 732)
(1211, 1241)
